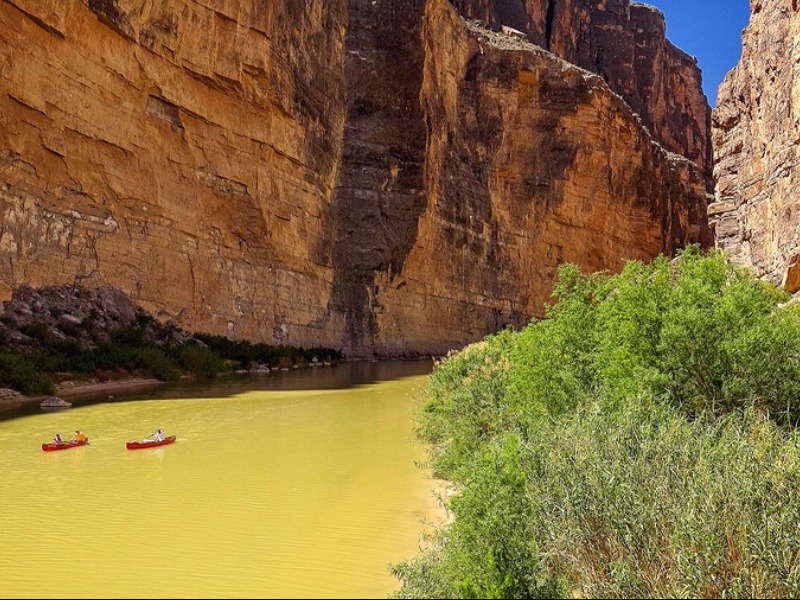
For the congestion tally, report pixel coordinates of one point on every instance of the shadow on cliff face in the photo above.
(379, 194)
(494, 156)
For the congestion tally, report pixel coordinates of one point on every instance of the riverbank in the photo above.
(102, 335)
(13, 399)
(71, 388)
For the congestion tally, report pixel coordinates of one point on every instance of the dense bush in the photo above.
(627, 501)
(248, 353)
(199, 360)
(640, 441)
(19, 371)
(699, 332)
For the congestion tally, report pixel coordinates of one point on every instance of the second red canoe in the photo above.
(136, 445)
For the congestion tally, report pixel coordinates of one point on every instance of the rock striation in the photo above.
(530, 162)
(383, 177)
(182, 151)
(756, 129)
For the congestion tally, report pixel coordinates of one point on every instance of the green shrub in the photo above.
(130, 336)
(490, 550)
(638, 442)
(37, 331)
(698, 332)
(20, 372)
(156, 363)
(199, 360)
(247, 353)
(627, 500)
(640, 502)
(466, 405)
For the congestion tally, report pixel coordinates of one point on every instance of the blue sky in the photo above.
(710, 30)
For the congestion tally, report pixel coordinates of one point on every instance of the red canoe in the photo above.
(64, 445)
(144, 444)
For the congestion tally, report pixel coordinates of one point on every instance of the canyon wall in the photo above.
(531, 162)
(625, 43)
(756, 132)
(378, 177)
(182, 151)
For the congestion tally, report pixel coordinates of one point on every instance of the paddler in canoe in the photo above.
(156, 436)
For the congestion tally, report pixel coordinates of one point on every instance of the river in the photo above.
(297, 484)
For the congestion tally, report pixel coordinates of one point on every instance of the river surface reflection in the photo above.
(296, 484)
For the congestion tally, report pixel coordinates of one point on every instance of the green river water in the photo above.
(299, 484)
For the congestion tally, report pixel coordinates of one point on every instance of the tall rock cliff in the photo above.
(531, 162)
(756, 129)
(181, 150)
(624, 42)
(381, 177)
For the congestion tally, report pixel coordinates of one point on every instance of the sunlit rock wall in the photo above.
(378, 177)
(183, 151)
(756, 125)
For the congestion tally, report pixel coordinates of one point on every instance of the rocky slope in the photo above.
(756, 129)
(381, 177)
(34, 318)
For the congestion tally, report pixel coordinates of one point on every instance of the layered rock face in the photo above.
(182, 151)
(625, 43)
(756, 128)
(380, 177)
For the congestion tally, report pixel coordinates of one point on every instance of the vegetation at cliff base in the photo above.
(53, 334)
(641, 441)
(128, 353)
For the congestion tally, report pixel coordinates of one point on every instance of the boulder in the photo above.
(55, 402)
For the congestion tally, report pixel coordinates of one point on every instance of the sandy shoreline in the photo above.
(70, 389)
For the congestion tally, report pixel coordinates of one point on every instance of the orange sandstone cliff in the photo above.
(382, 177)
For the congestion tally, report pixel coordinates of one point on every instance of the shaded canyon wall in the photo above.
(384, 178)
(531, 162)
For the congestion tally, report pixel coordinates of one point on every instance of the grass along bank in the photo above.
(640, 441)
